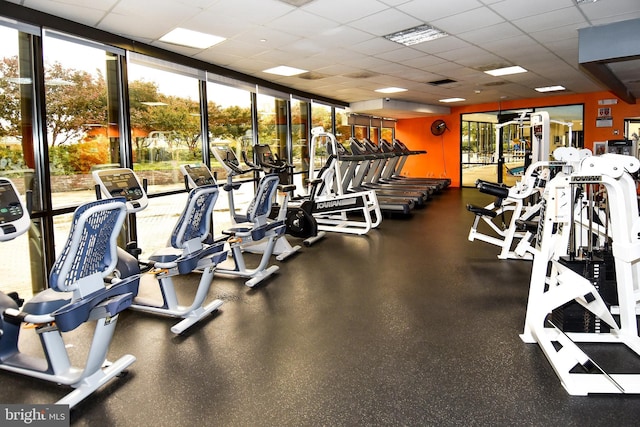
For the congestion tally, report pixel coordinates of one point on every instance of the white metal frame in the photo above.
(552, 288)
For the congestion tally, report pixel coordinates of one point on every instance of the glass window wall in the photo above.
(343, 128)
(272, 124)
(24, 274)
(229, 112)
(165, 121)
(82, 116)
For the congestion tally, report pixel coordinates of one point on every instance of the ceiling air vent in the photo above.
(312, 76)
(490, 84)
(441, 82)
(361, 75)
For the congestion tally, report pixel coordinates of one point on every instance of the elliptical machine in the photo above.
(78, 293)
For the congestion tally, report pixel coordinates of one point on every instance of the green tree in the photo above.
(74, 99)
(228, 123)
(9, 97)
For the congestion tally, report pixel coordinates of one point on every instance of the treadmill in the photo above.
(367, 171)
(349, 166)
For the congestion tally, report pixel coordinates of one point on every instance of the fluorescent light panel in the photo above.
(506, 71)
(283, 70)
(550, 88)
(415, 35)
(189, 38)
(391, 90)
(452, 100)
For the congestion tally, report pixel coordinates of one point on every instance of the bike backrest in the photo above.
(195, 219)
(91, 248)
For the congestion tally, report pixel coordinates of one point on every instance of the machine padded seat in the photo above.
(477, 210)
(530, 226)
(112, 300)
(493, 189)
(188, 262)
(47, 302)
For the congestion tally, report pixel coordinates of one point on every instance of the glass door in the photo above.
(478, 145)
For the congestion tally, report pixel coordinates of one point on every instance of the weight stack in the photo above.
(609, 289)
(572, 317)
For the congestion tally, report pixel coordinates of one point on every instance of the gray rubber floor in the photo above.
(410, 325)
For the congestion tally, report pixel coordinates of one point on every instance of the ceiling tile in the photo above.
(605, 9)
(467, 21)
(302, 23)
(550, 20)
(89, 13)
(345, 11)
(516, 9)
(437, 9)
(385, 22)
(502, 30)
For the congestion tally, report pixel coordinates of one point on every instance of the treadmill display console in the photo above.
(10, 206)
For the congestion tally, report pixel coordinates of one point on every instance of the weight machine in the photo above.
(515, 210)
(563, 272)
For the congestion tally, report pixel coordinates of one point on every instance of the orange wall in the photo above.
(443, 158)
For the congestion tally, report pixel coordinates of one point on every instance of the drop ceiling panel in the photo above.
(503, 30)
(424, 61)
(246, 12)
(513, 10)
(601, 10)
(443, 44)
(551, 20)
(398, 55)
(302, 24)
(467, 21)
(386, 22)
(342, 36)
(345, 11)
(437, 9)
(612, 19)
(374, 46)
(78, 11)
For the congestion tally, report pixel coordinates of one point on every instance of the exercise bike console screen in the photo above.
(10, 206)
(122, 182)
(14, 218)
(199, 175)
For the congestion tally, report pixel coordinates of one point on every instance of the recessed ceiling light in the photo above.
(189, 38)
(506, 71)
(452, 100)
(283, 70)
(391, 90)
(585, 1)
(550, 88)
(415, 35)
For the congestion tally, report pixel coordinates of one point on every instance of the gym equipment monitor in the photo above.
(198, 175)
(13, 218)
(122, 182)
